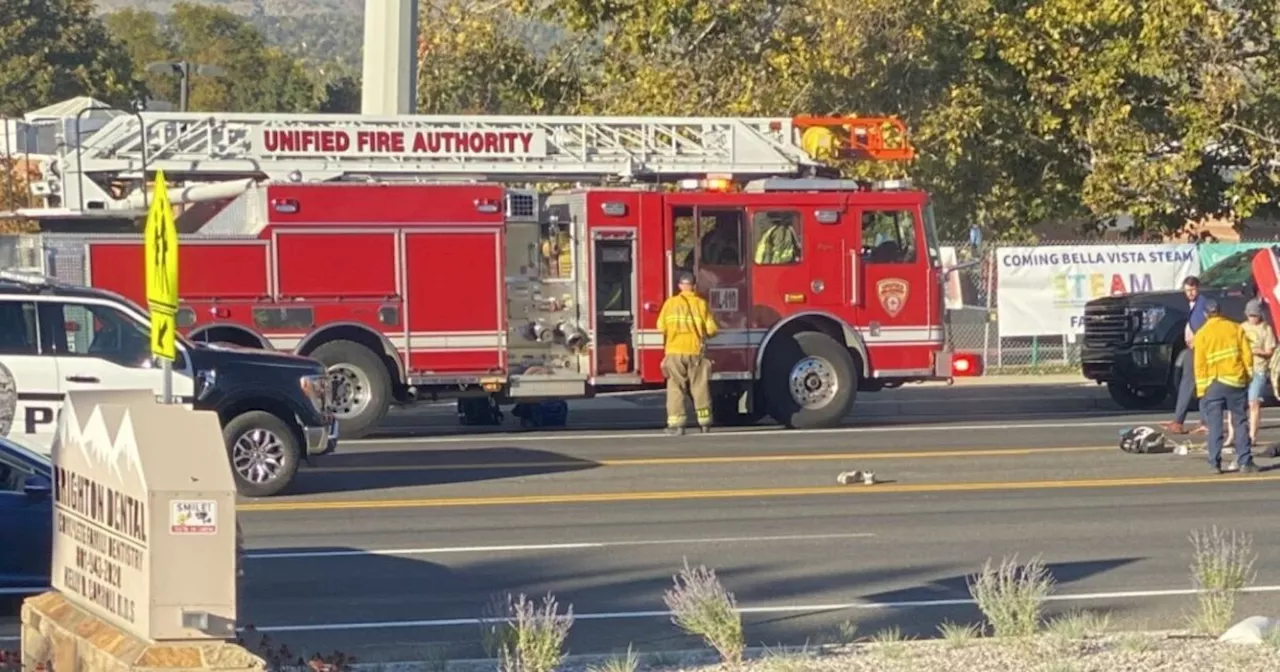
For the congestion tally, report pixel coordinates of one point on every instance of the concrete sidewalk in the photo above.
(1058, 379)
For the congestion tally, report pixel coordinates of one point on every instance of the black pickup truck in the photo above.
(1134, 343)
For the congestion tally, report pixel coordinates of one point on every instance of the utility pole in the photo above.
(389, 85)
(184, 70)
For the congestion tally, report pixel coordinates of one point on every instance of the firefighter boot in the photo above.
(704, 420)
(677, 430)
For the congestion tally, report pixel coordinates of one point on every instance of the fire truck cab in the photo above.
(477, 289)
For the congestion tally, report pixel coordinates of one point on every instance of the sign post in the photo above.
(162, 281)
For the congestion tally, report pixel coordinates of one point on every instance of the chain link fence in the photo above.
(972, 315)
(973, 320)
(973, 312)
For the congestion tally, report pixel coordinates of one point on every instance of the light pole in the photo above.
(184, 70)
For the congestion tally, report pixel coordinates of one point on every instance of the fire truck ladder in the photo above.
(217, 155)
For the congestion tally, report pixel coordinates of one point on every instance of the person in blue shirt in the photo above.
(1187, 386)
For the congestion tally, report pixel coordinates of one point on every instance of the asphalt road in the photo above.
(392, 547)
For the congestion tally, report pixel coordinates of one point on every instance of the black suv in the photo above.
(274, 408)
(1134, 343)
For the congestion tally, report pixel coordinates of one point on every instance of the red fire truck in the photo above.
(418, 258)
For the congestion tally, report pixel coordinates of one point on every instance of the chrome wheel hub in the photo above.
(351, 390)
(813, 382)
(258, 455)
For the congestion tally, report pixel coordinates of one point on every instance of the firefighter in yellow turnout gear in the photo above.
(687, 324)
(778, 245)
(1223, 366)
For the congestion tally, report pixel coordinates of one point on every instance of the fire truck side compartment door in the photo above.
(826, 242)
(613, 298)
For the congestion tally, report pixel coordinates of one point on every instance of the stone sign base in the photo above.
(57, 635)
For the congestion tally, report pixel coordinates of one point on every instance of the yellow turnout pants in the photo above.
(687, 375)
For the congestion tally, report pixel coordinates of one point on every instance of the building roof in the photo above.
(71, 108)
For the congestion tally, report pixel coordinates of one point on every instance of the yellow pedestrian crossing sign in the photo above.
(163, 328)
(162, 271)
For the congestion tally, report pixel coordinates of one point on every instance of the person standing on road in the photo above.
(1187, 386)
(687, 324)
(1223, 368)
(1262, 343)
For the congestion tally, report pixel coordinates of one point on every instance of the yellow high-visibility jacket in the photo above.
(1222, 354)
(686, 323)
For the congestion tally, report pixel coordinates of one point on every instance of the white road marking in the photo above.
(281, 555)
(783, 609)
(490, 437)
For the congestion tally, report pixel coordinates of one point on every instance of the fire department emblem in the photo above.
(893, 295)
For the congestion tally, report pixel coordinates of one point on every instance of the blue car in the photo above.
(26, 519)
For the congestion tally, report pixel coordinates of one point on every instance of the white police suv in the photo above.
(274, 407)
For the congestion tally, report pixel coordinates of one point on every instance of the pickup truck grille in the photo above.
(1107, 326)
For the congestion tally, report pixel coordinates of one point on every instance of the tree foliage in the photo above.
(259, 77)
(52, 50)
(1021, 111)
(1065, 110)
(471, 61)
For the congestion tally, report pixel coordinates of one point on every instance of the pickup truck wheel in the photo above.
(264, 453)
(1133, 398)
(810, 380)
(361, 386)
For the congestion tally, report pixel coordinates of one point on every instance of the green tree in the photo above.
(470, 61)
(52, 50)
(341, 95)
(258, 78)
(144, 36)
(1022, 112)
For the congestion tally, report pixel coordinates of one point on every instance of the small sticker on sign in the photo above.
(193, 516)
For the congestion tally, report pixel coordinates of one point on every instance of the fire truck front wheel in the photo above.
(361, 386)
(810, 380)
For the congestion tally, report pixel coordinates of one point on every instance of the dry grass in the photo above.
(890, 643)
(701, 606)
(1078, 625)
(630, 663)
(525, 637)
(784, 659)
(1221, 566)
(958, 636)
(1012, 596)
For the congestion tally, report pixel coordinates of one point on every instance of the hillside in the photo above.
(345, 8)
(328, 35)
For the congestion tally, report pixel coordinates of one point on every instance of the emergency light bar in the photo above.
(29, 278)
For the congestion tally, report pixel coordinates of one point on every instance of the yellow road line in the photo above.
(882, 489)
(728, 459)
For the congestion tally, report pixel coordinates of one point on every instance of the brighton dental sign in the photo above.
(119, 475)
(296, 141)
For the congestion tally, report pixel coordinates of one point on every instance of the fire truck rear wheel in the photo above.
(361, 386)
(810, 380)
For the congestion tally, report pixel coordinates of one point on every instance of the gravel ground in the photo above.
(1117, 653)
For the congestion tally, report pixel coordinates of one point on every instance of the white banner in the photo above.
(1041, 291)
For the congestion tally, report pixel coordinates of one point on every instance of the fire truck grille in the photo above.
(1107, 326)
(521, 206)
